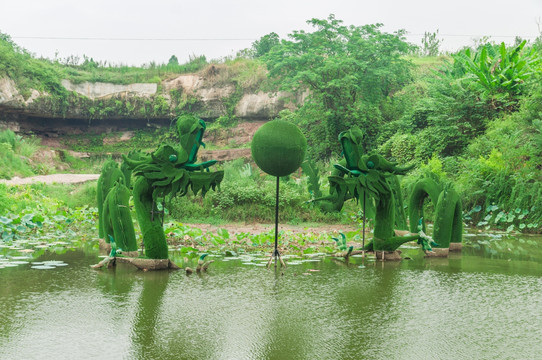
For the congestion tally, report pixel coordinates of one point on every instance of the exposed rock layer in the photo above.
(103, 107)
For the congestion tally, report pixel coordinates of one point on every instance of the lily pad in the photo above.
(20, 258)
(43, 267)
(18, 262)
(54, 263)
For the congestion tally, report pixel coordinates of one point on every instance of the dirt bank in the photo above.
(52, 179)
(262, 228)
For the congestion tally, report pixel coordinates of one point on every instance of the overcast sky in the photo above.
(219, 28)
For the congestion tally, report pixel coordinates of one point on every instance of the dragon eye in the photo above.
(172, 158)
(370, 164)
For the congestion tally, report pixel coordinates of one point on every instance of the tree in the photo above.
(265, 44)
(430, 44)
(348, 70)
(173, 61)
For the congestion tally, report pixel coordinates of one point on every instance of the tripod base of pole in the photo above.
(275, 255)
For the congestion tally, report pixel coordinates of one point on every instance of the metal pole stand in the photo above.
(364, 217)
(276, 253)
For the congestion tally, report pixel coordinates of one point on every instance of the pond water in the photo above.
(485, 303)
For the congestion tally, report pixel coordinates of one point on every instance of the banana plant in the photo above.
(499, 72)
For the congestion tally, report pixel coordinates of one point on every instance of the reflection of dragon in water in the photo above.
(170, 170)
(372, 178)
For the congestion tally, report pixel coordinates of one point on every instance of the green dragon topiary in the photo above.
(169, 171)
(371, 176)
(345, 185)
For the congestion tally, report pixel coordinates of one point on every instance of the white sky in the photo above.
(458, 23)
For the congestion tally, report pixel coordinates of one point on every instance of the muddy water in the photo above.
(485, 303)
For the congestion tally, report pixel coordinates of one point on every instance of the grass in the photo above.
(92, 71)
(15, 154)
(46, 196)
(72, 195)
(425, 65)
(104, 144)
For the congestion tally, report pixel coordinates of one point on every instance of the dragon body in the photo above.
(448, 216)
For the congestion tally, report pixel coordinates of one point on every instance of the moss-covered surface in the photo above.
(109, 176)
(448, 217)
(279, 147)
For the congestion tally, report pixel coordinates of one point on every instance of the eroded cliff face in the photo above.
(11, 98)
(101, 90)
(100, 107)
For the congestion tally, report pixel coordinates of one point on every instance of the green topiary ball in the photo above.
(278, 148)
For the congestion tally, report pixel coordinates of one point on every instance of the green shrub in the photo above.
(4, 201)
(15, 153)
(401, 148)
(8, 137)
(248, 196)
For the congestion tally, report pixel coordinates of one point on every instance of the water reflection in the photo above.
(470, 305)
(145, 325)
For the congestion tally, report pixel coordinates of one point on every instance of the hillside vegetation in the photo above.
(472, 117)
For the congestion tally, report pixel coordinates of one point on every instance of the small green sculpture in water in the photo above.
(169, 171)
